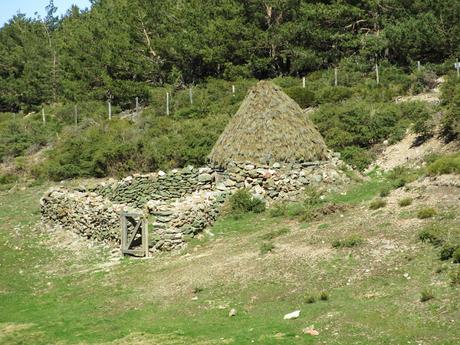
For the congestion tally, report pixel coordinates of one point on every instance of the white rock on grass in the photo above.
(293, 315)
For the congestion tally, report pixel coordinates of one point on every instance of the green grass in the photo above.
(348, 242)
(52, 291)
(427, 212)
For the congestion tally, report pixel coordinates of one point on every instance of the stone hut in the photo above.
(269, 127)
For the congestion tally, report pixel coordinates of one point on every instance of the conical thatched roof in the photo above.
(269, 127)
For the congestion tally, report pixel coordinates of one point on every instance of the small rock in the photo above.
(293, 315)
(310, 330)
(232, 312)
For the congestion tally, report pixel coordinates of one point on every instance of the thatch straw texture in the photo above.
(269, 127)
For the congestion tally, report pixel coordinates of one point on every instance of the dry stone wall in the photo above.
(137, 190)
(87, 214)
(180, 203)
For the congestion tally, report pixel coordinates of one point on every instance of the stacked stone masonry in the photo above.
(180, 203)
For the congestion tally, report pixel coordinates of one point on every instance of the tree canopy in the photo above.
(118, 48)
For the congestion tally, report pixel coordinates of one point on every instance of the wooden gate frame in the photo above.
(139, 225)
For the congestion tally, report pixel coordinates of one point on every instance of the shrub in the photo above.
(310, 299)
(266, 247)
(426, 295)
(303, 96)
(400, 176)
(449, 164)
(311, 202)
(455, 277)
(279, 209)
(377, 203)
(8, 178)
(356, 156)
(427, 212)
(349, 242)
(405, 202)
(242, 201)
(324, 296)
(384, 192)
(456, 255)
(448, 251)
(432, 234)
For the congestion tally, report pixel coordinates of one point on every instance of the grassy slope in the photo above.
(57, 295)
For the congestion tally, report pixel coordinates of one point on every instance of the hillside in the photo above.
(231, 172)
(360, 275)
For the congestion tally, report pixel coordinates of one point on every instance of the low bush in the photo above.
(324, 296)
(8, 178)
(447, 251)
(426, 295)
(456, 255)
(310, 299)
(448, 164)
(400, 176)
(405, 202)
(432, 234)
(377, 203)
(243, 201)
(349, 242)
(266, 247)
(427, 212)
(278, 209)
(303, 96)
(455, 277)
(384, 192)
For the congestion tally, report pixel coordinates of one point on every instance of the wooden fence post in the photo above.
(377, 76)
(419, 66)
(43, 115)
(303, 82)
(167, 103)
(336, 82)
(110, 110)
(75, 112)
(233, 90)
(190, 94)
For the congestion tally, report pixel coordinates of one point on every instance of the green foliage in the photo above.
(8, 178)
(324, 296)
(279, 209)
(405, 202)
(385, 191)
(447, 251)
(426, 295)
(303, 96)
(377, 203)
(456, 255)
(243, 201)
(400, 176)
(354, 126)
(455, 277)
(432, 234)
(312, 202)
(427, 212)
(266, 247)
(348, 242)
(310, 299)
(447, 164)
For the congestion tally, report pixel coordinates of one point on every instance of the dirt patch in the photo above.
(406, 153)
